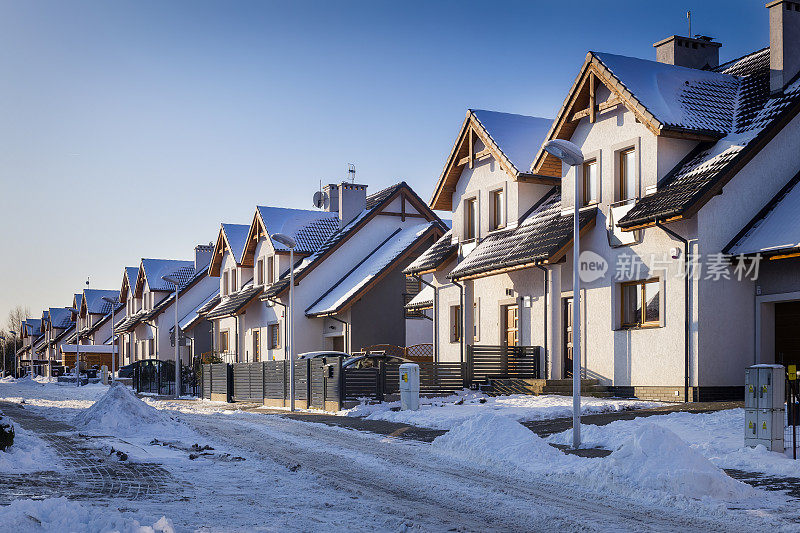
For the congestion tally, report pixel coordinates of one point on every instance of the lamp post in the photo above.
(289, 243)
(176, 282)
(3, 338)
(15, 351)
(77, 347)
(112, 302)
(570, 154)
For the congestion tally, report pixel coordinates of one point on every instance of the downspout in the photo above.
(435, 316)
(546, 354)
(461, 318)
(686, 361)
(285, 326)
(347, 338)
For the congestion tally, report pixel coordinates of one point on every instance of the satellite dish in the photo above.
(320, 200)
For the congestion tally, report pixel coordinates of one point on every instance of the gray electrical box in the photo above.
(764, 406)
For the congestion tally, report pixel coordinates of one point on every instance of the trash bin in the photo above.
(409, 386)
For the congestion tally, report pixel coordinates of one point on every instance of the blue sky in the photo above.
(132, 129)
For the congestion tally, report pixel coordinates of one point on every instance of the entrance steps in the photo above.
(563, 387)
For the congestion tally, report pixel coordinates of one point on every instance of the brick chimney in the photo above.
(692, 52)
(347, 199)
(784, 43)
(202, 256)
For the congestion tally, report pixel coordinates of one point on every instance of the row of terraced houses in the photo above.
(688, 213)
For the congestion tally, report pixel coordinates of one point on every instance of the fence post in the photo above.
(504, 360)
(381, 380)
(342, 392)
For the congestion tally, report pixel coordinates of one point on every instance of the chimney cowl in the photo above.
(698, 52)
(347, 199)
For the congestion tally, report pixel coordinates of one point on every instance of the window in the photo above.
(590, 195)
(627, 174)
(233, 280)
(274, 334)
(256, 345)
(260, 272)
(455, 323)
(497, 207)
(640, 303)
(223, 341)
(270, 269)
(470, 219)
(151, 346)
(225, 283)
(476, 320)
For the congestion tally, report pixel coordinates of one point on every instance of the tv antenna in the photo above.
(689, 18)
(351, 172)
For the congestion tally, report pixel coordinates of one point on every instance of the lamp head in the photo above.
(566, 151)
(284, 240)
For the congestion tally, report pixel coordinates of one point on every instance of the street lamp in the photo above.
(176, 282)
(3, 338)
(289, 243)
(77, 346)
(112, 302)
(15, 351)
(570, 154)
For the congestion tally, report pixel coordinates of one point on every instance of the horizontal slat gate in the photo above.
(444, 378)
(360, 383)
(206, 383)
(248, 382)
(274, 380)
(486, 362)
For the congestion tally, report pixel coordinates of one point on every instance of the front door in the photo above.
(510, 314)
(256, 346)
(787, 333)
(567, 321)
(338, 344)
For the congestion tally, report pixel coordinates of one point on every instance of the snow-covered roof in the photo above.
(775, 229)
(154, 269)
(61, 317)
(423, 299)
(193, 315)
(236, 235)
(77, 300)
(309, 228)
(94, 301)
(370, 267)
(68, 347)
(517, 136)
(681, 97)
(442, 250)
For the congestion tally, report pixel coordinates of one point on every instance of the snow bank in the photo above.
(27, 454)
(450, 411)
(59, 515)
(120, 412)
(492, 439)
(656, 458)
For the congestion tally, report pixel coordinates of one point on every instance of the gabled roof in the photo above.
(231, 238)
(77, 301)
(759, 116)
(129, 323)
(431, 259)
(775, 230)
(374, 204)
(169, 298)
(152, 270)
(93, 302)
(129, 275)
(235, 302)
(194, 316)
(543, 236)
(372, 268)
(97, 325)
(511, 139)
(422, 300)
(32, 326)
(61, 317)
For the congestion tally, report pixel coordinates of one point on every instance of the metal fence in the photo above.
(155, 376)
(323, 383)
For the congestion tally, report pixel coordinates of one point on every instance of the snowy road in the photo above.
(433, 493)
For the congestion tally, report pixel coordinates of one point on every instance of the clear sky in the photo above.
(133, 129)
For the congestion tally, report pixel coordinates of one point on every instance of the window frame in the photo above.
(260, 271)
(455, 323)
(624, 195)
(587, 181)
(224, 334)
(274, 336)
(271, 269)
(471, 218)
(225, 283)
(497, 209)
(642, 285)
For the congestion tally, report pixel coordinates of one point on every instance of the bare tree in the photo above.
(16, 316)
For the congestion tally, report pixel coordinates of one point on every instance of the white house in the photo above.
(95, 327)
(30, 333)
(681, 156)
(349, 286)
(149, 301)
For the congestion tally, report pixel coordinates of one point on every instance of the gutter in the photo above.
(686, 289)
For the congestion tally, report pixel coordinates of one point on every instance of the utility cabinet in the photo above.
(764, 398)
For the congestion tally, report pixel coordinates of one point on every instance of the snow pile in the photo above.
(656, 458)
(27, 454)
(492, 439)
(122, 413)
(59, 514)
(8, 379)
(450, 411)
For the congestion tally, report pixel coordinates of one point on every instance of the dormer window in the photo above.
(497, 207)
(470, 219)
(590, 192)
